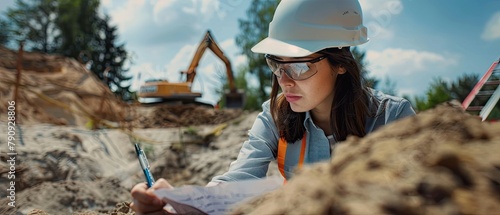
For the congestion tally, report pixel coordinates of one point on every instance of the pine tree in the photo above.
(109, 58)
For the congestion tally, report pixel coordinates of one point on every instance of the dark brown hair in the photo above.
(350, 106)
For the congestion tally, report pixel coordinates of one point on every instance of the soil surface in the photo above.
(442, 161)
(75, 153)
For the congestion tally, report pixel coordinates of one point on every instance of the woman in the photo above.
(322, 99)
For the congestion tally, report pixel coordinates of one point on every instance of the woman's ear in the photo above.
(341, 70)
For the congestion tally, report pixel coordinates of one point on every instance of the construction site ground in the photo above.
(75, 153)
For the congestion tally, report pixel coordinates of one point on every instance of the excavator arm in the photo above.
(233, 98)
(209, 42)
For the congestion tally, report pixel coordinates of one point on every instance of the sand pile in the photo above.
(56, 90)
(61, 91)
(168, 116)
(62, 167)
(442, 161)
(70, 169)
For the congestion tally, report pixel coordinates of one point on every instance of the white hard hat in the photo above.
(302, 27)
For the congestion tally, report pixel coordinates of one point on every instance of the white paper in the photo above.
(216, 199)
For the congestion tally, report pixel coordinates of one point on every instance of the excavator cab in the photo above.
(181, 92)
(164, 91)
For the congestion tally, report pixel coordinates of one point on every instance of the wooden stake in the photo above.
(18, 75)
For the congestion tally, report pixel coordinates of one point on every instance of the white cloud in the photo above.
(492, 28)
(378, 16)
(209, 7)
(412, 70)
(231, 50)
(377, 6)
(180, 62)
(106, 3)
(165, 12)
(124, 16)
(378, 32)
(240, 60)
(157, 22)
(224, 45)
(140, 73)
(405, 61)
(168, 12)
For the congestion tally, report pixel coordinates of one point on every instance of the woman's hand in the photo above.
(145, 201)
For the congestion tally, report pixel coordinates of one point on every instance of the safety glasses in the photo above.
(296, 70)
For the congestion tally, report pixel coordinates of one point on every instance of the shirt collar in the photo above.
(308, 122)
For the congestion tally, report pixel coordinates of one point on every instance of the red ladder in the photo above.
(487, 81)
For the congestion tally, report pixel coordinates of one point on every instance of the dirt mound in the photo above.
(442, 161)
(167, 116)
(54, 89)
(59, 90)
(64, 168)
(90, 161)
(67, 197)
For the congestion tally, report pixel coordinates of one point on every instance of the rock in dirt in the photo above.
(442, 161)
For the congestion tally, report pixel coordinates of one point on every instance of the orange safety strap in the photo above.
(282, 145)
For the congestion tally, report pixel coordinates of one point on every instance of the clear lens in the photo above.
(299, 71)
(296, 71)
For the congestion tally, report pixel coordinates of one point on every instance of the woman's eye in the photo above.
(299, 68)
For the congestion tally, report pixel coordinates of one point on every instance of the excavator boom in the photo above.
(209, 42)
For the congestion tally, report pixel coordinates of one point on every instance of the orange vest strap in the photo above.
(282, 145)
(302, 151)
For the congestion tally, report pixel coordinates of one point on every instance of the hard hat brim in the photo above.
(279, 48)
(296, 48)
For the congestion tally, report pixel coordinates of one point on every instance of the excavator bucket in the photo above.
(234, 100)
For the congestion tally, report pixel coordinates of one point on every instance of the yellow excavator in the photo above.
(181, 92)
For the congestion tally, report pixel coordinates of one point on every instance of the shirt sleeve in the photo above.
(256, 153)
(389, 109)
(405, 109)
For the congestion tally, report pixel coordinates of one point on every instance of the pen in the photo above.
(144, 165)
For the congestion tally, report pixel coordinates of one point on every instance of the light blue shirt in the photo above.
(262, 145)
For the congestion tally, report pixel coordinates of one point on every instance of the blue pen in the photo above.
(144, 165)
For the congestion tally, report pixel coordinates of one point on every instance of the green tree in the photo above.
(34, 23)
(109, 58)
(5, 32)
(70, 28)
(253, 30)
(78, 22)
(437, 93)
(461, 88)
(440, 91)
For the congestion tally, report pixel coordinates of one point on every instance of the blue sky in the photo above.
(411, 41)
